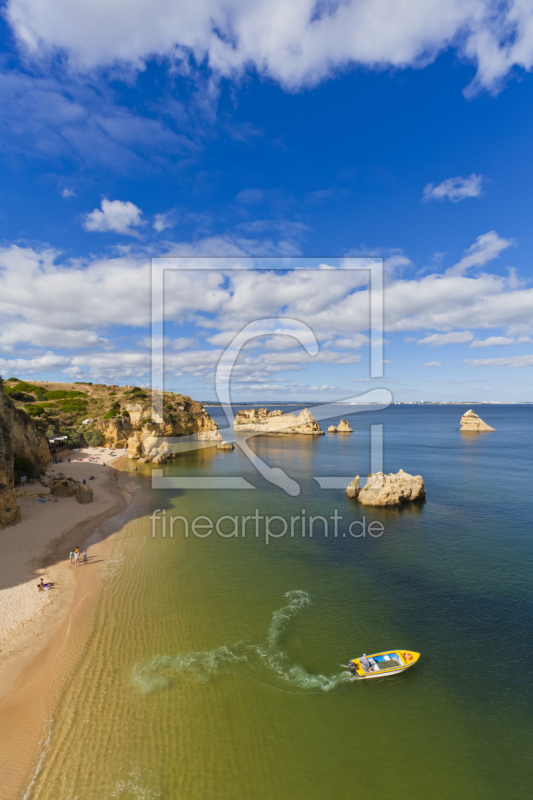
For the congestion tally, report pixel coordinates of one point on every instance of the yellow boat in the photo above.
(379, 665)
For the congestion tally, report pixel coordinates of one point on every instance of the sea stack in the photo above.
(471, 423)
(387, 490)
(344, 427)
(261, 420)
(332, 429)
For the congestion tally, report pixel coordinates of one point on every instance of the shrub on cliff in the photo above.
(74, 406)
(63, 394)
(94, 438)
(35, 411)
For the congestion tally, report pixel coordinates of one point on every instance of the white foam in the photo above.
(160, 671)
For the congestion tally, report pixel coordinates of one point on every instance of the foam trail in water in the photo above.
(159, 671)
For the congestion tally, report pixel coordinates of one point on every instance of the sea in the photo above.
(210, 664)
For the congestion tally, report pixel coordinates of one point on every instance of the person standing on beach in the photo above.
(77, 557)
(85, 556)
(71, 556)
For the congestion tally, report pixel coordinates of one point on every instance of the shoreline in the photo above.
(36, 626)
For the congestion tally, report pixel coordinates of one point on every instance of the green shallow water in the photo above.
(212, 669)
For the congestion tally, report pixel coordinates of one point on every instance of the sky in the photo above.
(262, 147)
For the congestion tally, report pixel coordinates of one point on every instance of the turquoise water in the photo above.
(213, 668)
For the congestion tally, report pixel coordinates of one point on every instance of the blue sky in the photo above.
(310, 131)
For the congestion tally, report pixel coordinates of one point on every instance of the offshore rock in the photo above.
(388, 490)
(261, 420)
(344, 427)
(470, 422)
(332, 429)
(225, 446)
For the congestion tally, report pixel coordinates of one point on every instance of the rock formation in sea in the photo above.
(261, 420)
(225, 446)
(344, 427)
(470, 422)
(387, 490)
(332, 429)
(18, 437)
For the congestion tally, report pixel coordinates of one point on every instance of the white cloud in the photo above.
(162, 222)
(116, 216)
(433, 364)
(511, 361)
(66, 193)
(440, 339)
(493, 340)
(454, 189)
(297, 44)
(486, 248)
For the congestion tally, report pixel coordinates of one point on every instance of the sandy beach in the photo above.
(34, 625)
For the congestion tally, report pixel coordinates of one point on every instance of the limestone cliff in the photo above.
(146, 439)
(387, 490)
(18, 437)
(261, 420)
(470, 422)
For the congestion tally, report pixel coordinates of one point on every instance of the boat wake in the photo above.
(160, 671)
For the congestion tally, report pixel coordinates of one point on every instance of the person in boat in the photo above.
(368, 664)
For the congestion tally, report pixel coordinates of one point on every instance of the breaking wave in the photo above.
(160, 671)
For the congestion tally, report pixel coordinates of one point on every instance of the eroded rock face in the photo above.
(261, 420)
(344, 427)
(84, 494)
(470, 422)
(388, 490)
(225, 446)
(18, 436)
(9, 509)
(145, 439)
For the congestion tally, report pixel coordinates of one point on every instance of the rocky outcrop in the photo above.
(65, 488)
(84, 494)
(332, 429)
(471, 423)
(146, 439)
(225, 446)
(18, 436)
(261, 420)
(387, 490)
(344, 427)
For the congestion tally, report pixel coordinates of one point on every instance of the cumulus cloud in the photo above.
(115, 216)
(454, 189)
(440, 339)
(162, 222)
(297, 44)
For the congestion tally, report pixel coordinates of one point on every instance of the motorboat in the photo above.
(379, 665)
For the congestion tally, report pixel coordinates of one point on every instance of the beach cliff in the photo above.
(18, 438)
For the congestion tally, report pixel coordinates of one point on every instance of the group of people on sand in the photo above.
(43, 587)
(76, 557)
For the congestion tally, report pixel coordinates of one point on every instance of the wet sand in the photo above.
(35, 626)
